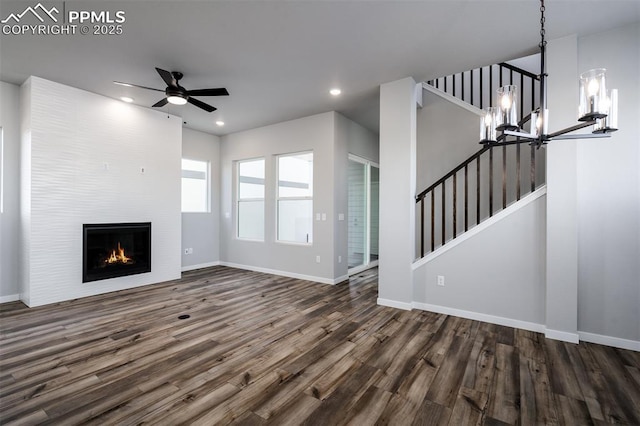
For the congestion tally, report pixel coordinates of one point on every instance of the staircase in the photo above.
(491, 179)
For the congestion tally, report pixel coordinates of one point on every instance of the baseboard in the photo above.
(476, 316)
(341, 279)
(199, 266)
(395, 304)
(616, 342)
(564, 336)
(285, 273)
(9, 298)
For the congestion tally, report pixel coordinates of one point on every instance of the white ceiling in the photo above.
(279, 59)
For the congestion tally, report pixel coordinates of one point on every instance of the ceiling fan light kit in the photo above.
(597, 107)
(178, 95)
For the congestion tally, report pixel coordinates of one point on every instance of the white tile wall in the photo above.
(86, 155)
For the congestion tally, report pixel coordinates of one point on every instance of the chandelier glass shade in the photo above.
(597, 107)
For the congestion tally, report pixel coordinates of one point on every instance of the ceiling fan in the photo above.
(178, 95)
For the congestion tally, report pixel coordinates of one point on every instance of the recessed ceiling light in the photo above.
(335, 92)
(126, 99)
(220, 123)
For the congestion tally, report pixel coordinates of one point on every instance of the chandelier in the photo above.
(598, 107)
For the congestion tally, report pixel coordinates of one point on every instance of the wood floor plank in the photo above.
(261, 349)
(504, 399)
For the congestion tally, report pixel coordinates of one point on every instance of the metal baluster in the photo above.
(490, 84)
(481, 84)
(504, 176)
(518, 172)
(443, 213)
(466, 198)
(455, 207)
(471, 87)
(478, 190)
(462, 84)
(533, 168)
(433, 219)
(422, 227)
(453, 78)
(490, 181)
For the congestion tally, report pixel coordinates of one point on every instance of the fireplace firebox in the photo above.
(111, 250)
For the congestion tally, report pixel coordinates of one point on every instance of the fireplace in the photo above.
(111, 250)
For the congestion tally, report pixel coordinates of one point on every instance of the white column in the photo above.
(562, 189)
(397, 192)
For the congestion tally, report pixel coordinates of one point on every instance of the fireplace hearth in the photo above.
(111, 250)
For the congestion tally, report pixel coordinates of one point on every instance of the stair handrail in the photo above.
(520, 70)
(451, 173)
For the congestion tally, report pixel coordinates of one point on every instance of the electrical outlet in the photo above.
(317, 259)
(190, 251)
(339, 259)
(186, 251)
(324, 216)
(440, 280)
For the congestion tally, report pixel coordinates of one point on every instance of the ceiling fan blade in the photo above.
(162, 102)
(136, 85)
(167, 77)
(208, 92)
(201, 104)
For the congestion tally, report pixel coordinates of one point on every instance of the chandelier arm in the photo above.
(524, 120)
(572, 128)
(582, 136)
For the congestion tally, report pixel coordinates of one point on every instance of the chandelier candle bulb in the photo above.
(593, 95)
(610, 122)
(508, 107)
(535, 122)
(488, 125)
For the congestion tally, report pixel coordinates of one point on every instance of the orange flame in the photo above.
(119, 257)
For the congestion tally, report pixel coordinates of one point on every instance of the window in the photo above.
(251, 199)
(295, 198)
(1, 171)
(195, 186)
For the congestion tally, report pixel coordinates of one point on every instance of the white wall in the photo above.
(314, 133)
(10, 169)
(608, 192)
(397, 192)
(496, 275)
(82, 156)
(447, 135)
(350, 138)
(562, 230)
(201, 231)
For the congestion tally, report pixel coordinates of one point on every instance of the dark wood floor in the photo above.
(260, 349)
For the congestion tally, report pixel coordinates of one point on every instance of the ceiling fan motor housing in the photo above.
(178, 91)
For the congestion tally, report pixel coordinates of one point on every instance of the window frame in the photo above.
(207, 181)
(238, 199)
(298, 198)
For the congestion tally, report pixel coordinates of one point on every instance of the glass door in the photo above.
(363, 190)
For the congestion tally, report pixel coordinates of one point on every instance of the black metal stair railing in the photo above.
(478, 188)
(476, 86)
